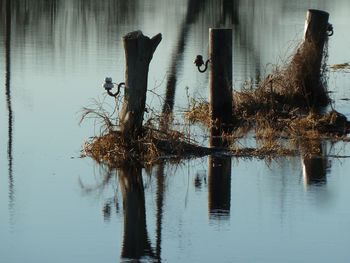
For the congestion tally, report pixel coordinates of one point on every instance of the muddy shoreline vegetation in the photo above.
(288, 113)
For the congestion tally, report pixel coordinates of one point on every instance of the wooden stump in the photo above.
(316, 26)
(139, 51)
(308, 60)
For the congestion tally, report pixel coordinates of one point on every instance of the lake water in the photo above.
(57, 207)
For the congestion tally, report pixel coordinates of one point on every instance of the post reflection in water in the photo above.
(219, 187)
(315, 168)
(136, 243)
(219, 180)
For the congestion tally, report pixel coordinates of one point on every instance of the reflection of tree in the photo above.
(193, 9)
(47, 16)
(227, 10)
(230, 11)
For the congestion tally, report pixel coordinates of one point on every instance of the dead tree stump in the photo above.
(306, 66)
(316, 27)
(139, 51)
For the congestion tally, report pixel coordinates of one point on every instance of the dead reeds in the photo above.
(153, 144)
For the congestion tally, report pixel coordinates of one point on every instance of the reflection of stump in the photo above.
(139, 51)
(136, 243)
(314, 170)
(315, 167)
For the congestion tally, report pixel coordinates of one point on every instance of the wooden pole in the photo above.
(220, 79)
(221, 102)
(139, 51)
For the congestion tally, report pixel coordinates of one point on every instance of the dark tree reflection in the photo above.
(194, 8)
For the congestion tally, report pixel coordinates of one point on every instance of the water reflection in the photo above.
(9, 107)
(160, 204)
(219, 178)
(193, 9)
(315, 167)
(219, 187)
(136, 243)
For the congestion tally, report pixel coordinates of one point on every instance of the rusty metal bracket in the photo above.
(199, 63)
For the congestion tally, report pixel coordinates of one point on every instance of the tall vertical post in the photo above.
(220, 78)
(139, 51)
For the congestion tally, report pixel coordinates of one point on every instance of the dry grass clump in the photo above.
(301, 84)
(153, 146)
(303, 81)
(199, 112)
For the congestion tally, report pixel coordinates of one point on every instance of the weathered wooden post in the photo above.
(220, 79)
(220, 98)
(306, 64)
(139, 51)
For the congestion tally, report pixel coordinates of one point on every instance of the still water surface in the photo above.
(56, 207)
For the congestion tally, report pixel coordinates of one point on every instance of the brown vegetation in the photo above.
(153, 146)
